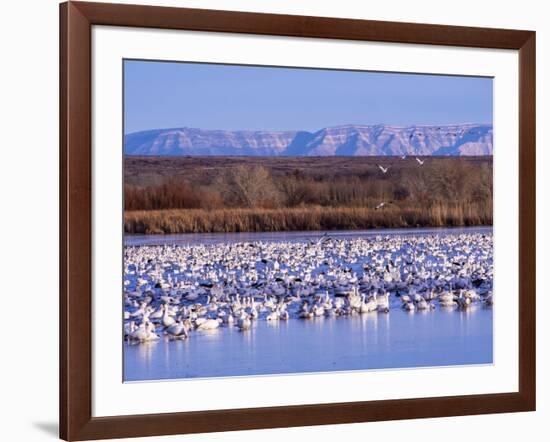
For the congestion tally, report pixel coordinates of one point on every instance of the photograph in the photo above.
(283, 220)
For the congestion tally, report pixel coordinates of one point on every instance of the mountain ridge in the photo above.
(350, 140)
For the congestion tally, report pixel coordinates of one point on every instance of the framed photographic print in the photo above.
(272, 220)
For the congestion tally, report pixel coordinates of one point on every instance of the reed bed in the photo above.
(303, 218)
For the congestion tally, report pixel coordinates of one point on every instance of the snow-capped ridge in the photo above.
(352, 139)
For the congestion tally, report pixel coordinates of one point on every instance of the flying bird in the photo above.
(321, 240)
(384, 169)
(403, 157)
(420, 161)
(382, 205)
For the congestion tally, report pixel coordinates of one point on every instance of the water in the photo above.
(370, 341)
(213, 238)
(398, 339)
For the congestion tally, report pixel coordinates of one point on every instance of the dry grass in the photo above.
(302, 218)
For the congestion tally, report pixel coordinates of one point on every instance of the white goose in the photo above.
(167, 320)
(209, 324)
(369, 306)
(273, 316)
(144, 333)
(178, 330)
(383, 303)
(244, 322)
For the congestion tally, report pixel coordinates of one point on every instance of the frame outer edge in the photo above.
(63, 400)
(527, 221)
(75, 226)
(76, 422)
(299, 26)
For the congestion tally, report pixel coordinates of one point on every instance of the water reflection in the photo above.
(146, 352)
(213, 238)
(369, 341)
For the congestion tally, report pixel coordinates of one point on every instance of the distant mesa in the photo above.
(349, 140)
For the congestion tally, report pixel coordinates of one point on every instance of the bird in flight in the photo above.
(382, 205)
(420, 161)
(384, 169)
(403, 157)
(322, 240)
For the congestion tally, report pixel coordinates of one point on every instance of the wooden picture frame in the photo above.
(76, 21)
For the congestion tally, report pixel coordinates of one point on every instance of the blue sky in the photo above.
(209, 96)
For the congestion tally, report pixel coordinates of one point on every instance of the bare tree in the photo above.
(419, 188)
(249, 186)
(294, 190)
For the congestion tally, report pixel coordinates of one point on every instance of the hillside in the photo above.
(350, 140)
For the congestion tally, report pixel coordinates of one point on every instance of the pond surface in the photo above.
(213, 238)
(370, 341)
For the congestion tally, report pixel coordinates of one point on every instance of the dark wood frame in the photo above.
(76, 421)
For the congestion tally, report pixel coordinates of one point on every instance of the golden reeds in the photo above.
(302, 218)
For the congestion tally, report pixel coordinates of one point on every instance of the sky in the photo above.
(160, 95)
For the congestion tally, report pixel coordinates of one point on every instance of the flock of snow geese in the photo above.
(173, 291)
